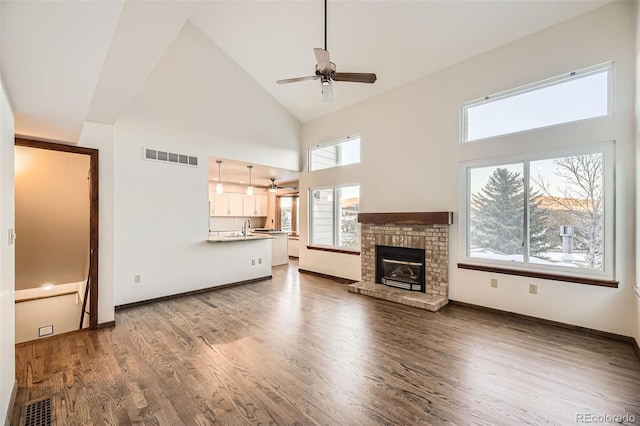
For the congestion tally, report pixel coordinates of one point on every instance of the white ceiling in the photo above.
(232, 171)
(64, 62)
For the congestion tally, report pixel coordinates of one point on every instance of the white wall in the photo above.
(62, 312)
(7, 256)
(411, 159)
(162, 210)
(40, 307)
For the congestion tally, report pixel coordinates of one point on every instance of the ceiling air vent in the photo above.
(169, 157)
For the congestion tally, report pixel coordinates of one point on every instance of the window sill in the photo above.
(334, 250)
(541, 275)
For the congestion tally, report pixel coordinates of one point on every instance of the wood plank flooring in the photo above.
(302, 350)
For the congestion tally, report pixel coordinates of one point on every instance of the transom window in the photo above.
(576, 96)
(337, 153)
(552, 213)
(333, 217)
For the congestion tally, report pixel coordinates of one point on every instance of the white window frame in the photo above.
(331, 143)
(609, 67)
(607, 149)
(336, 211)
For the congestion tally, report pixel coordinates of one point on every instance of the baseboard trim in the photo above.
(107, 324)
(12, 402)
(330, 277)
(189, 293)
(635, 346)
(614, 336)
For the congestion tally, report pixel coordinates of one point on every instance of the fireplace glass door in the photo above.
(400, 267)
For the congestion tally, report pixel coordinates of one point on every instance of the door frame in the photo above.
(93, 213)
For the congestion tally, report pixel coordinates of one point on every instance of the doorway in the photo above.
(91, 268)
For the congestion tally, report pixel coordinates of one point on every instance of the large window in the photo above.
(552, 213)
(333, 218)
(338, 153)
(288, 213)
(576, 96)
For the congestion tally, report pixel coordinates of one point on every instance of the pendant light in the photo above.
(249, 188)
(219, 188)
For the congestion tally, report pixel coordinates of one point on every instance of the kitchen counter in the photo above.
(232, 238)
(268, 231)
(279, 250)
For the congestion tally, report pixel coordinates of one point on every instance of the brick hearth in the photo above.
(426, 231)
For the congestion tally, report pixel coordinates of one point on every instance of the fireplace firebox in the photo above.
(401, 267)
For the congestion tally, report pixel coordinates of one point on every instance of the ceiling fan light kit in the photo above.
(326, 70)
(273, 187)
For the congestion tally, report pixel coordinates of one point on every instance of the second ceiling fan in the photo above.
(326, 70)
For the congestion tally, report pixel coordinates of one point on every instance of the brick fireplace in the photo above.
(426, 231)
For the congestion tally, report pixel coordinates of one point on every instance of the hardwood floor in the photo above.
(301, 350)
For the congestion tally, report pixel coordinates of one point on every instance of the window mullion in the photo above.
(336, 236)
(526, 211)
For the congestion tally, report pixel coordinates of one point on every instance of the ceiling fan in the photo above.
(326, 70)
(274, 188)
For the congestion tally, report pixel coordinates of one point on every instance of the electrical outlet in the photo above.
(259, 261)
(494, 283)
(136, 278)
(253, 262)
(533, 288)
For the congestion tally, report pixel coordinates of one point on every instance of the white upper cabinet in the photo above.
(227, 205)
(238, 205)
(255, 205)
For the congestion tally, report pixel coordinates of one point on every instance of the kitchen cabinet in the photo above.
(255, 205)
(227, 205)
(279, 246)
(279, 249)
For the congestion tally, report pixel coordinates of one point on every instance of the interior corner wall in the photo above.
(637, 165)
(197, 102)
(7, 256)
(411, 158)
(100, 137)
(52, 217)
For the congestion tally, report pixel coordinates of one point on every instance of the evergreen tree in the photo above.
(541, 234)
(497, 213)
(497, 216)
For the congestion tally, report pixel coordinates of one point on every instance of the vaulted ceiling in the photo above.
(65, 62)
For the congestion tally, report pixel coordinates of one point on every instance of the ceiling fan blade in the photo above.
(327, 92)
(355, 77)
(324, 63)
(293, 80)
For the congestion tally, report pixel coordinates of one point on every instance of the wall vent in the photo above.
(38, 413)
(169, 157)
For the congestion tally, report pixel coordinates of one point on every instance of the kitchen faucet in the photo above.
(245, 227)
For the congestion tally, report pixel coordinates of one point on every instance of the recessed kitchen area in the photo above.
(249, 203)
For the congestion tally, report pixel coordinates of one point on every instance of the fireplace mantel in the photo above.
(408, 218)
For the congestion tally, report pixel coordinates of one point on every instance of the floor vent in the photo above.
(169, 157)
(38, 413)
